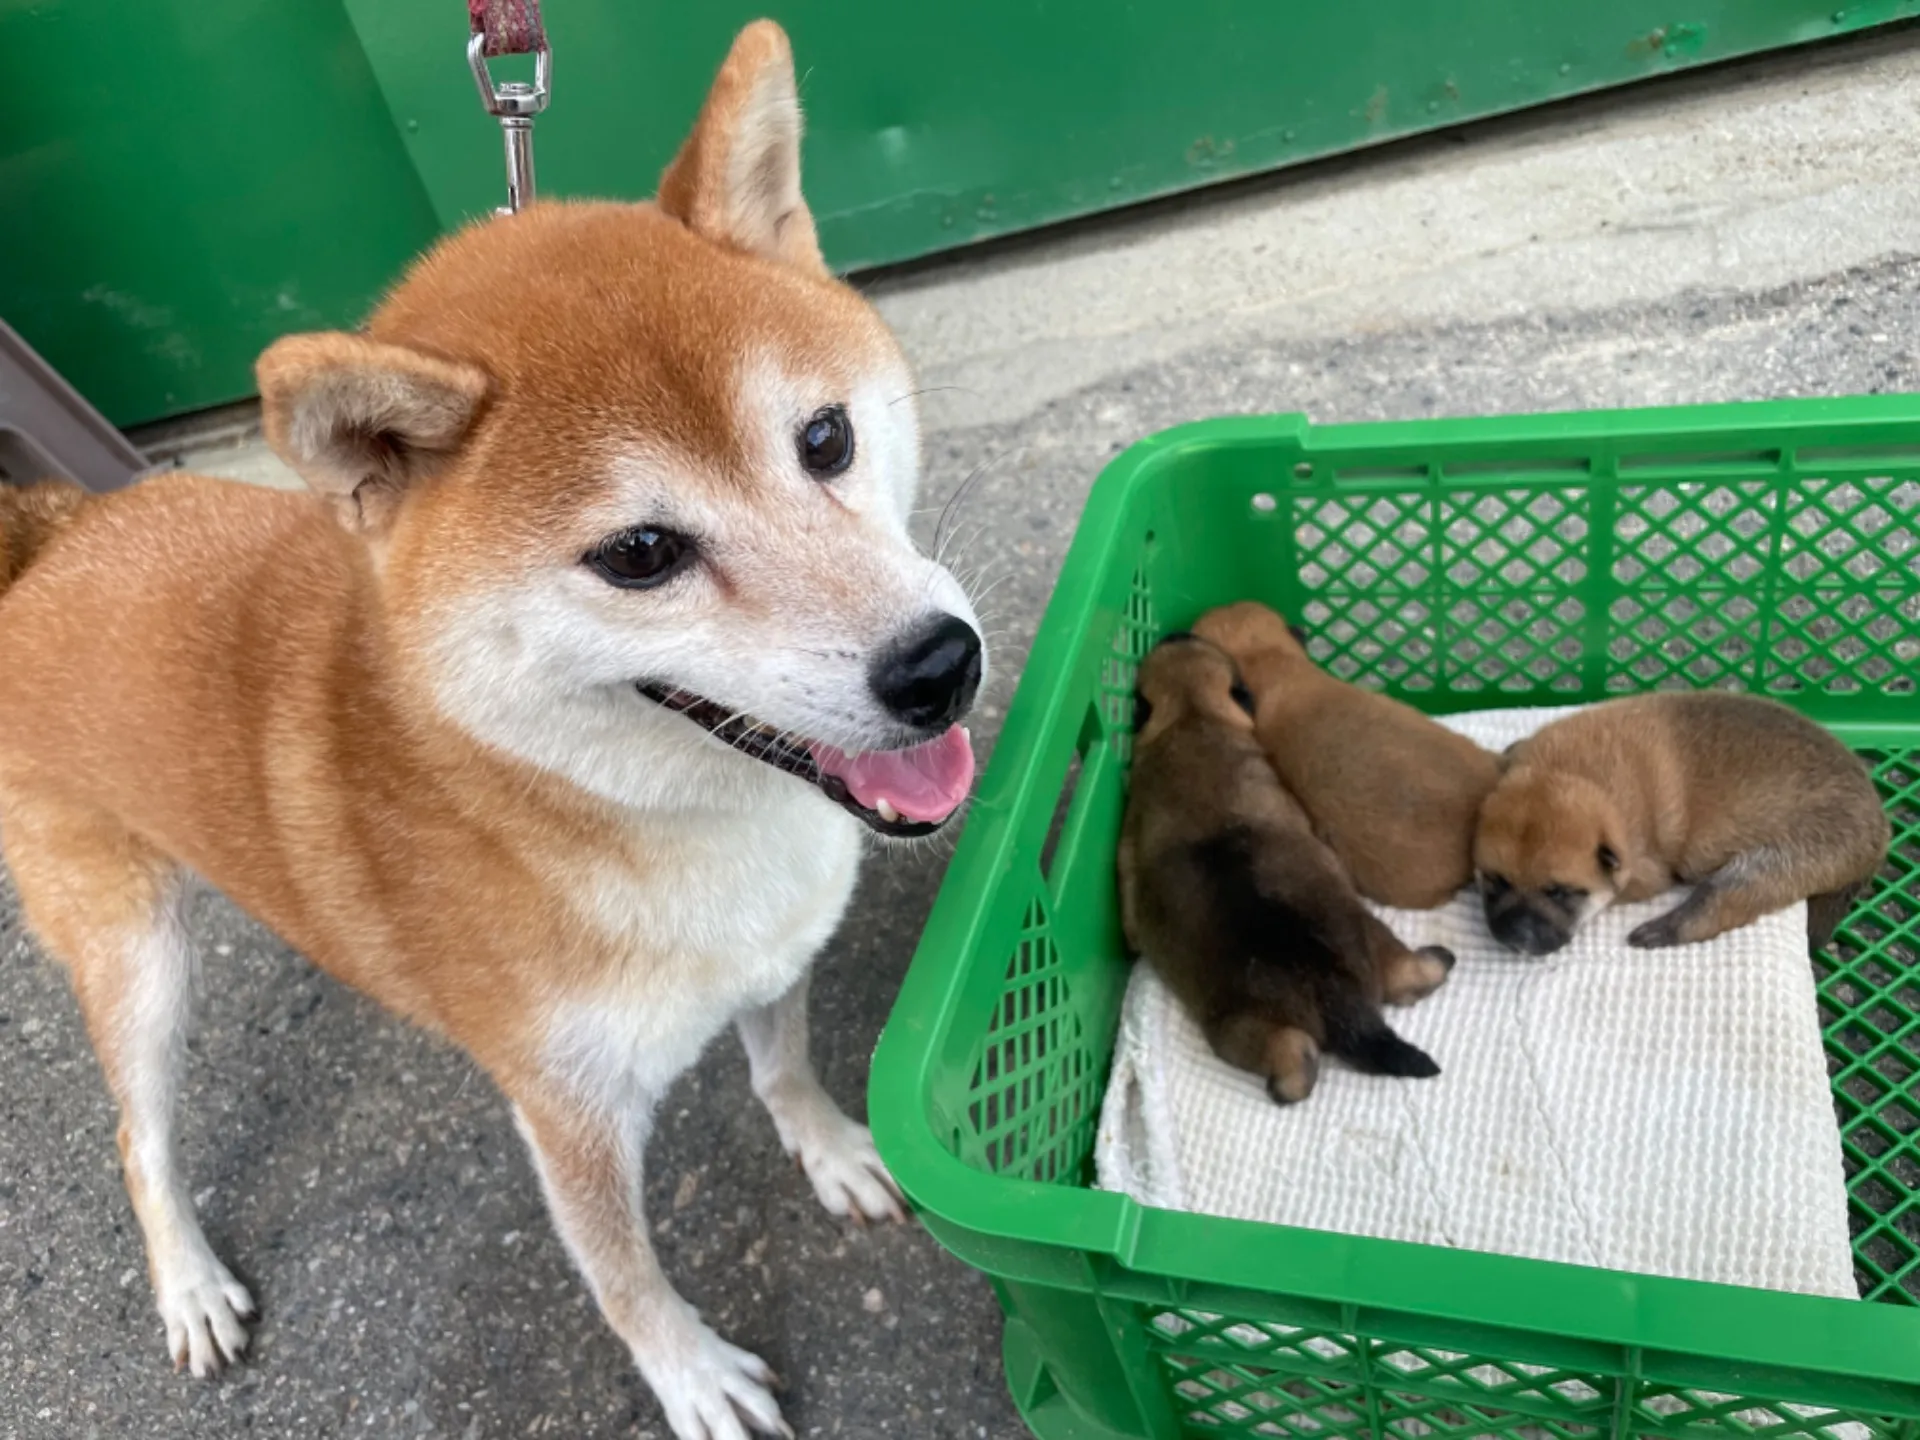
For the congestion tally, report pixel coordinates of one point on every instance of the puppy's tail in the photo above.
(1826, 911)
(1368, 1043)
(30, 516)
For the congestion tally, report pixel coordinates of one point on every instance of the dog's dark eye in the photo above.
(826, 442)
(640, 558)
(1243, 697)
(1608, 857)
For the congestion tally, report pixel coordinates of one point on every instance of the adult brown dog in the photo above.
(553, 723)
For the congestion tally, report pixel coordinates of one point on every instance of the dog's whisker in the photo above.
(960, 552)
(930, 390)
(961, 493)
(980, 596)
(977, 580)
(972, 575)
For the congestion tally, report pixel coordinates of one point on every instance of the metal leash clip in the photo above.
(514, 103)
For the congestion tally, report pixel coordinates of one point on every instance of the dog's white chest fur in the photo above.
(725, 918)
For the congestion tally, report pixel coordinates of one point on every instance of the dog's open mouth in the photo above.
(896, 792)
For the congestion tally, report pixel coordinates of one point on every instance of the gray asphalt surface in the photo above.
(366, 1182)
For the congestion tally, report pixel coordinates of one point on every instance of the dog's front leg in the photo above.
(590, 1168)
(837, 1153)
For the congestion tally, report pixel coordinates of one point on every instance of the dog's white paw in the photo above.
(203, 1307)
(707, 1386)
(846, 1170)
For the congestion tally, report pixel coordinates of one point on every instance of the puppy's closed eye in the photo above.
(1608, 857)
(1243, 697)
(1565, 896)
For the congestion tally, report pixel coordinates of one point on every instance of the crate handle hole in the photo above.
(1265, 504)
(1062, 808)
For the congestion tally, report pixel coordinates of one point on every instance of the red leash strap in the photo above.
(511, 27)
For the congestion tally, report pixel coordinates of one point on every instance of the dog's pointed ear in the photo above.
(736, 179)
(360, 421)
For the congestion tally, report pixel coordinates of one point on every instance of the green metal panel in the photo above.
(934, 125)
(185, 181)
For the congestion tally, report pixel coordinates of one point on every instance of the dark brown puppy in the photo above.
(1393, 793)
(1251, 921)
(1752, 805)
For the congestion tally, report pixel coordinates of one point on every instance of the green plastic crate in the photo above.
(1457, 564)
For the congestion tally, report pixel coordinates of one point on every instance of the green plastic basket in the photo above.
(1456, 564)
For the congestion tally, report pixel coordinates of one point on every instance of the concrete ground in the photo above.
(1747, 233)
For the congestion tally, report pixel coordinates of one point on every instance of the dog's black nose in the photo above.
(930, 678)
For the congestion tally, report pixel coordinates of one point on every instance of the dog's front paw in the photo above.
(848, 1174)
(706, 1386)
(203, 1307)
(836, 1153)
(838, 1157)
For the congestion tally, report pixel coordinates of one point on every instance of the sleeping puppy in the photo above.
(1250, 920)
(1743, 800)
(1394, 794)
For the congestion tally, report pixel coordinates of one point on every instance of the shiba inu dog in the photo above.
(555, 722)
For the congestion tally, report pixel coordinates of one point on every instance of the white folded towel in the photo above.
(1660, 1111)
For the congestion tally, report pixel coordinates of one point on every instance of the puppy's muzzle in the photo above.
(1530, 933)
(1518, 923)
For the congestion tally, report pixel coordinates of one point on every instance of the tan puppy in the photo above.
(556, 723)
(1251, 921)
(1752, 805)
(1394, 794)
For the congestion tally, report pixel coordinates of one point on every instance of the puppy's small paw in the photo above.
(1656, 934)
(203, 1306)
(1294, 1062)
(708, 1387)
(1410, 978)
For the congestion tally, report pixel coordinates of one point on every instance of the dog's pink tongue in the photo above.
(927, 782)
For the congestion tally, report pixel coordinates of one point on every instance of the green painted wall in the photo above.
(935, 124)
(186, 179)
(183, 180)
